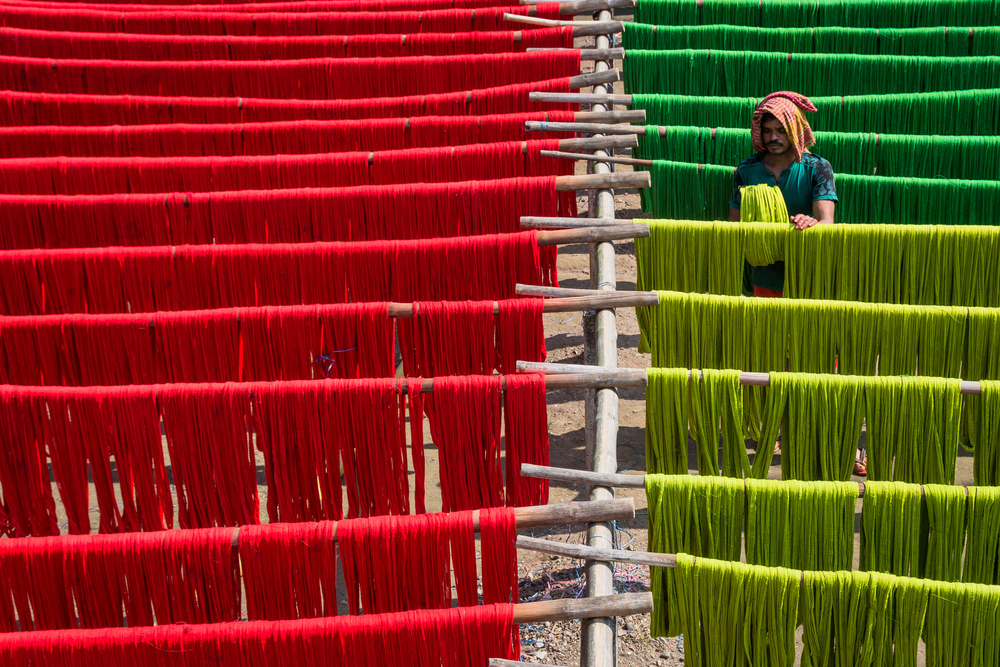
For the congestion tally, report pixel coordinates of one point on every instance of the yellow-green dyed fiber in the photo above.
(945, 531)
(913, 428)
(936, 41)
(962, 625)
(757, 73)
(736, 614)
(702, 516)
(982, 558)
(822, 417)
(891, 528)
(804, 525)
(952, 113)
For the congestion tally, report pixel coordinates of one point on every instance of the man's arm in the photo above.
(822, 214)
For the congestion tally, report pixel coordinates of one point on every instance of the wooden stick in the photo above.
(595, 553)
(594, 78)
(565, 514)
(580, 28)
(580, 98)
(584, 144)
(574, 7)
(500, 662)
(589, 128)
(583, 476)
(627, 604)
(615, 53)
(575, 304)
(627, 377)
(603, 299)
(621, 179)
(541, 222)
(560, 305)
(540, 290)
(597, 158)
(592, 234)
(606, 117)
(600, 143)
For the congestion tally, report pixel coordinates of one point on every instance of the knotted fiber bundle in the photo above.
(20, 108)
(446, 637)
(912, 264)
(847, 617)
(897, 155)
(187, 22)
(282, 137)
(118, 280)
(683, 190)
(936, 41)
(116, 46)
(317, 78)
(471, 337)
(762, 335)
(739, 73)
(953, 113)
(793, 13)
(357, 426)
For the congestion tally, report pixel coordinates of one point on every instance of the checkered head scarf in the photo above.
(787, 107)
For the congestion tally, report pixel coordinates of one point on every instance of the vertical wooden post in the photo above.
(599, 636)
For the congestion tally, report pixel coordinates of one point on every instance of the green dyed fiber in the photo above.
(702, 516)
(906, 264)
(755, 73)
(689, 191)
(891, 528)
(822, 417)
(954, 113)
(709, 405)
(846, 618)
(982, 422)
(962, 625)
(913, 427)
(936, 41)
(862, 153)
(945, 531)
(803, 525)
(796, 13)
(735, 614)
(982, 558)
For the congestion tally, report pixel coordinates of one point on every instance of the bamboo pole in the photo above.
(608, 117)
(575, 7)
(587, 54)
(635, 162)
(627, 377)
(621, 179)
(541, 290)
(576, 304)
(626, 604)
(621, 300)
(500, 662)
(589, 128)
(580, 98)
(592, 234)
(541, 222)
(585, 28)
(594, 78)
(600, 143)
(597, 553)
(583, 476)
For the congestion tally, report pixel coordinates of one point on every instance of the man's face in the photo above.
(774, 136)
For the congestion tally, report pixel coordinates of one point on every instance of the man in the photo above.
(781, 136)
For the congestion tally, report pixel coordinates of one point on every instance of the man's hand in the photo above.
(802, 221)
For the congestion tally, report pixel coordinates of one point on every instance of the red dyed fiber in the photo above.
(24, 109)
(359, 424)
(116, 46)
(269, 138)
(311, 78)
(468, 338)
(465, 414)
(115, 279)
(262, 7)
(290, 569)
(184, 22)
(472, 162)
(224, 345)
(109, 581)
(447, 637)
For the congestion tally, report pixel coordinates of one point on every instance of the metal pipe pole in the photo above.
(599, 636)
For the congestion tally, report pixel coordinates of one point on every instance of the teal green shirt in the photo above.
(806, 181)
